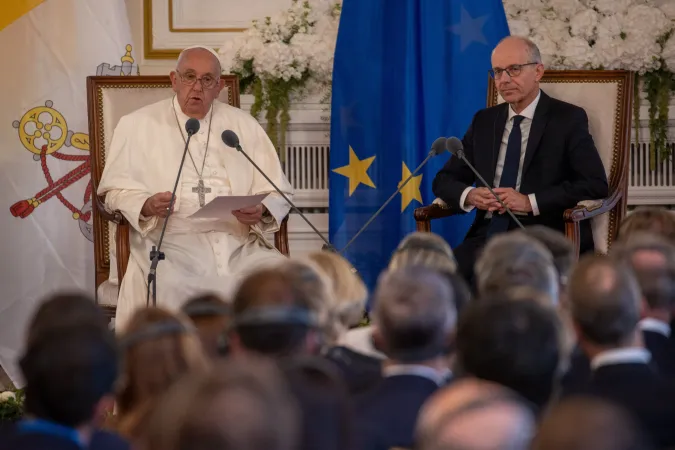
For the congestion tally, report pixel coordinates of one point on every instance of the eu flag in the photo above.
(405, 73)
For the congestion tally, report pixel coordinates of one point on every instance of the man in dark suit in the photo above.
(535, 150)
(414, 320)
(605, 303)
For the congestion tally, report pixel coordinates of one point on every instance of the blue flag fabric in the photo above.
(405, 73)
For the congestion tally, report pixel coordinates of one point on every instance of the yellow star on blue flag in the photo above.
(356, 171)
(411, 191)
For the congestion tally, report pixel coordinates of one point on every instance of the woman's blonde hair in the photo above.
(425, 250)
(157, 348)
(349, 291)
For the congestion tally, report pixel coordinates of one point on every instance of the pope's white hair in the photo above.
(194, 47)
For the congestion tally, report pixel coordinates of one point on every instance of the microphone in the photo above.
(456, 147)
(438, 147)
(156, 255)
(231, 139)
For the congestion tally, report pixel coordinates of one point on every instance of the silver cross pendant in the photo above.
(201, 190)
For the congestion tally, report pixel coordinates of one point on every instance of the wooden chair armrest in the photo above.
(433, 211)
(115, 216)
(281, 237)
(588, 209)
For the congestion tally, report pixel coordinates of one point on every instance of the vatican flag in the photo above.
(48, 48)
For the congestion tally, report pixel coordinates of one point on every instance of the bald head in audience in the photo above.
(581, 423)
(474, 415)
(605, 304)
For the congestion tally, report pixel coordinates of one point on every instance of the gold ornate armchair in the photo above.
(110, 98)
(607, 97)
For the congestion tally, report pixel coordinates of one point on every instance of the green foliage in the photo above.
(659, 85)
(11, 410)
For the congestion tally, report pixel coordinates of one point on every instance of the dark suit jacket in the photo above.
(387, 414)
(360, 372)
(640, 390)
(663, 353)
(561, 166)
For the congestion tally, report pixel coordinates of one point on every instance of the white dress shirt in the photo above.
(438, 377)
(525, 126)
(655, 325)
(621, 356)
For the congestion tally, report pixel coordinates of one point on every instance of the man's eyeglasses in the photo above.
(513, 70)
(190, 78)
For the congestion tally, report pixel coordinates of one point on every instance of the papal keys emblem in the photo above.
(44, 132)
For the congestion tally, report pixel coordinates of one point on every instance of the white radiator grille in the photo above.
(646, 186)
(306, 167)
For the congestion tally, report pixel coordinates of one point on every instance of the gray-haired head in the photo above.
(652, 258)
(198, 48)
(515, 259)
(414, 313)
(424, 249)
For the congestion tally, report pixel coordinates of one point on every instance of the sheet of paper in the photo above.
(222, 207)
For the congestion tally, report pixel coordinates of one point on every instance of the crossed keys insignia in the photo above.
(43, 131)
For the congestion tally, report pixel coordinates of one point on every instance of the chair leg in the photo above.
(573, 233)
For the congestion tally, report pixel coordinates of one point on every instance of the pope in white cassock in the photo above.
(140, 172)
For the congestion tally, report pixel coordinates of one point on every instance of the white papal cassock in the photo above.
(201, 254)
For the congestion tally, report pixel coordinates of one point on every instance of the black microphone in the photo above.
(231, 139)
(456, 147)
(156, 255)
(438, 147)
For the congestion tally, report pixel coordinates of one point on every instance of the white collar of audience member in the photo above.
(528, 112)
(438, 377)
(621, 356)
(655, 325)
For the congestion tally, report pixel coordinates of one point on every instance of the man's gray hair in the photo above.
(182, 54)
(515, 259)
(604, 299)
(656, 280)
(534, 55)
(413, 303)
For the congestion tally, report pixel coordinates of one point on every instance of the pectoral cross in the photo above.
(201, 190)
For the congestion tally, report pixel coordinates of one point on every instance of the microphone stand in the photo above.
(156, 255)
(327, 246)
(384, 205)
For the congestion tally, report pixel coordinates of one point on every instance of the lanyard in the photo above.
(45, 427)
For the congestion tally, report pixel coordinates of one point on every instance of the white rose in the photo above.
(565, 9)
(645, 20)
(548, 49)
(7, 395)
(584, 24)
(610, 6)
(527, 5)
(511, 11)
(577, 53)
(668, 9)
(608, 52)
(519, 27)
(557, 29)
(609, 26)
(668, 54)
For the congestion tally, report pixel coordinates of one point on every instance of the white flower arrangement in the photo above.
(7, 395)
(290, 55)
(285, 57)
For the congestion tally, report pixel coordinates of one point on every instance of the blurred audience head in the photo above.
(514, 343)
(157, 348)
(349, 292)
(424, 250)
(652, 259)
(604, 301)
(211, 316)
(70, 374)
(650, 219)
(323, 401)
(561, 249)
(66, 310)
(282, 311)
(238, 405)
(414, 315)
(587, 423)
(473, 414)
(515, 259)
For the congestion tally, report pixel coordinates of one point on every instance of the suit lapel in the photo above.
(500, 124)
(537, 129)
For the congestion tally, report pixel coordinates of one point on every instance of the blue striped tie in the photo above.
(500, 222)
